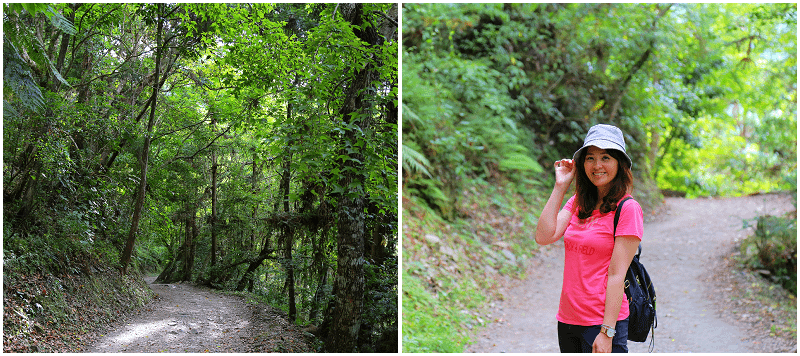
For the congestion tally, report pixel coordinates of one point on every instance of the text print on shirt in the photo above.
(587, 224)
(572, 246)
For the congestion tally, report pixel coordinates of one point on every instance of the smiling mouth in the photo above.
(598, 174)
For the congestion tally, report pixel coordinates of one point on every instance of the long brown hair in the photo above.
(586, 192)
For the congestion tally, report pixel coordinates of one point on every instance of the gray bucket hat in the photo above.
(605, 137)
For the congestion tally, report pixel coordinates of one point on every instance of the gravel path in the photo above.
(678, 248)
(187, 318)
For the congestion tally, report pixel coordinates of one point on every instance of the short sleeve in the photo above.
(631, 220)
(569, 204)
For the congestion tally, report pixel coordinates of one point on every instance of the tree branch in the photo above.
(385, 17)
(199, 150)
(176, 130)
(622, 87)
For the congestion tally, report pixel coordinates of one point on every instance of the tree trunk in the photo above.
(189, 243)
(349, 282)
(186, 273)
(213, 200)
(251, 269)
(144, 156)
(349, 299)
(65, 39)
(254, 189)
(313, 314)
(28, 186)
(288, 229)
(290, 274)
(248, 276)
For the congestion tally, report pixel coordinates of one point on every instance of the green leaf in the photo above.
(521, 162)
(415, 161)
(17, 75)
(60, 22)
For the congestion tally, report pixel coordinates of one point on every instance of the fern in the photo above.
(18, 77)
(409, 116)
(60, 22)
(415, 161)
(38, 53)
(9, 112)
(521, 162)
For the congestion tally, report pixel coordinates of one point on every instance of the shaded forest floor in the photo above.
(707, 303)
(187, 318)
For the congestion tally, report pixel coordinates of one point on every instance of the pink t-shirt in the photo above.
(588, 247)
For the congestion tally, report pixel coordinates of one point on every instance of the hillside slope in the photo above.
(46, 312)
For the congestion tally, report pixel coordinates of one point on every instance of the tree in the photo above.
(221, 138)
(160, 16)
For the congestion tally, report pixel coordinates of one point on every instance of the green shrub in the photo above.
(772, 249)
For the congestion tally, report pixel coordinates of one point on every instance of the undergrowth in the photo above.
(453, 270)
(53, 313)
(769, 260)
(772, 249)
(55, 291)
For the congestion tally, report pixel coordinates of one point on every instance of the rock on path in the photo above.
(678, 249)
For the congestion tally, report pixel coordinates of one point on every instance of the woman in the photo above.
(593, 311)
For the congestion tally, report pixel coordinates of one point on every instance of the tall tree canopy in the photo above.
(706, 93)
(244, 146)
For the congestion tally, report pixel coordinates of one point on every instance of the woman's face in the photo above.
(600, 166)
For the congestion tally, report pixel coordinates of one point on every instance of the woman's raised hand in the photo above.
(565, 173)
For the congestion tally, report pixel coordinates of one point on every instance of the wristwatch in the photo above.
(608, 331)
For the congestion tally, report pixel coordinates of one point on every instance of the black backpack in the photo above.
(641, 296)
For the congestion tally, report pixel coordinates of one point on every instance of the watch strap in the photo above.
(608, 328)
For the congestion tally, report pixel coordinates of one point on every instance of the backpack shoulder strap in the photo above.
(616, 221)
(616, 215)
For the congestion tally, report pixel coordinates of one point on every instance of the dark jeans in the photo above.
(574, 338)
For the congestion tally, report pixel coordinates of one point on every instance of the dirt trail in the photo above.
(187, 318)
(680, 248)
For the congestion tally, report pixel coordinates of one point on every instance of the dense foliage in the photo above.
(494, 93)
(702, 91)
(243, 146)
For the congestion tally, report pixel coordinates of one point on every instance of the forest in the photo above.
(493, 94)
(245, 147)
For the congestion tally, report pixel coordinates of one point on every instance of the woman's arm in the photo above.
(552, 222)
(624, 249)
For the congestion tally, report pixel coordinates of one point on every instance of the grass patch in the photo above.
(428, 325)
